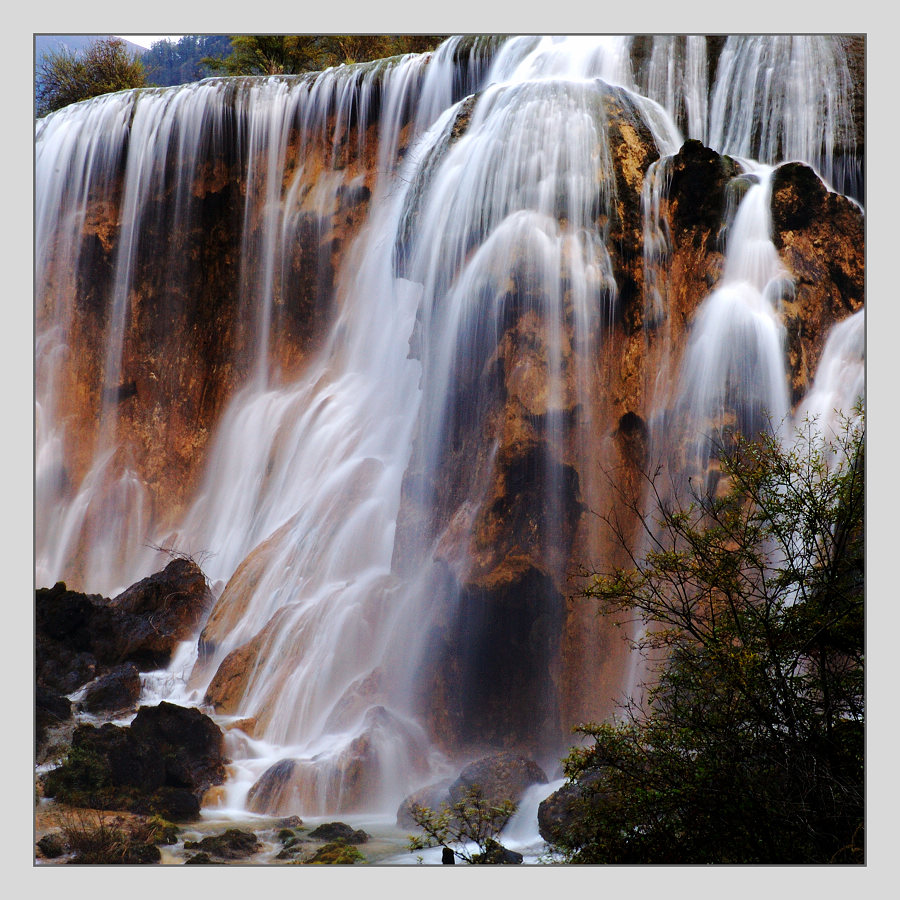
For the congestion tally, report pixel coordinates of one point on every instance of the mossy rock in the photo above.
(335, 853)
(339, 831)
(231, 844)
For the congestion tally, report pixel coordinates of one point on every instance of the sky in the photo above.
(145, 40)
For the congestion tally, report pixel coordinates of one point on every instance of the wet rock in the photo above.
(189, 741)
(495, 854)
(61, 669)
(268, 790)
(333, 831)
(290, 822)
(119, 689)
(501, 776)
(175, 599)
(199, 859)
(231, 844)
(227, 687)
(433, 796)
(697, 191)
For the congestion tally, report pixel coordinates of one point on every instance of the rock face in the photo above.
(820, 236)
(269, 791)
(512, 659)
(430, 796)
(162, 763)
(178, 370)
(560, 811)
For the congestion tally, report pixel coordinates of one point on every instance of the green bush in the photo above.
(749, 747)
(470, 820)
(64, 77)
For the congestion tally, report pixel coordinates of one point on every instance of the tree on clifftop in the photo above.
(64, 77)
(750, 745)
(292, 54)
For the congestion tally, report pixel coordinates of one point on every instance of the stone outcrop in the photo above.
(561, 811)
(269, 790)
(78, 636)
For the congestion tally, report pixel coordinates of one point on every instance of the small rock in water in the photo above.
(52, 845)
(231, 844)
(335, 831)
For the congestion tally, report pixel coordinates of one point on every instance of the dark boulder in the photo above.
(119, 689)
(61, 669)
(339, 831)
(192, 744)
(231, 844)
(697, 191)
(78, 635)
(199, 859)
(52, 845)
(503, 776)
(561, 812)
(162, 763)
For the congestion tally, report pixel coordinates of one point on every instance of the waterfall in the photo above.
(733, 372)
(402, 294)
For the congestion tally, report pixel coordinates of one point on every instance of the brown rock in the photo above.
(820, 237)
(227, 687)
(433, 796)
(501, 776)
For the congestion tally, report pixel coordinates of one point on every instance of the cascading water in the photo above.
(349, 500)
(733, 371)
